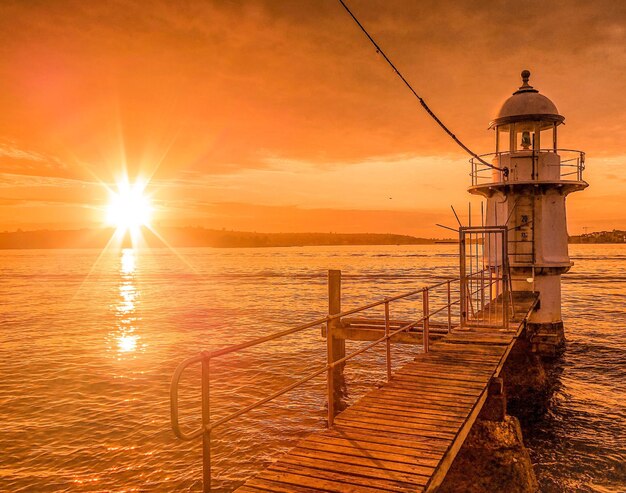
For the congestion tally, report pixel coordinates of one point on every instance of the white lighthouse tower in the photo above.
(525, 190)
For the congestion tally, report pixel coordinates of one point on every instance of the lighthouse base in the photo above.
(547, 339)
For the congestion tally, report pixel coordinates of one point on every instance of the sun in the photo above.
(129, 208)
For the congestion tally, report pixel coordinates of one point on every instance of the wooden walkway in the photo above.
(403, 436)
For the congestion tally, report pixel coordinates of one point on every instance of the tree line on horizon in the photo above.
(201, 237)
(198, 237)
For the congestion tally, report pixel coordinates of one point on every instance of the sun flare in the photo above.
(129, 208)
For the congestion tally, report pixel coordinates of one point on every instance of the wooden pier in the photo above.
(404, 435)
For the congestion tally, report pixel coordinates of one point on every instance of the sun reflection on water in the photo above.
(127, 343)
(128, 261)
(126, 339)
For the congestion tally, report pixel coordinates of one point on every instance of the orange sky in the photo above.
(279, 116)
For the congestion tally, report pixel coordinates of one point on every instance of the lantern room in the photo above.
(527, 121)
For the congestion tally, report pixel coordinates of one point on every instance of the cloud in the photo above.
(254, 217)
(207, 97)
(17, 161)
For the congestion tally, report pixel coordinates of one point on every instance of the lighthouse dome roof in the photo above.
(527, 104)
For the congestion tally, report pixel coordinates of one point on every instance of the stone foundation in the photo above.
(547, 339)
(525, 382)
(492, 459)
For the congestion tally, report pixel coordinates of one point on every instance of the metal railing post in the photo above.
(505, 281)
(449, 308)
(206, 424)
(336, 348)
(498, 280)
(462, 281)
(491, 299)
(426, 311)
(482, 294)
(387, 341)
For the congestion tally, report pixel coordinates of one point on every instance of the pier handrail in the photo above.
(209, 355)
(205, 357)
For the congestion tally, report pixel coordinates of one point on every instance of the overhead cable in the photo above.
(422, 102)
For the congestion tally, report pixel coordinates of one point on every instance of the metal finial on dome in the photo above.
(525, 87)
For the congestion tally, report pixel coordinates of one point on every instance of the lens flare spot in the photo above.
(129, 208)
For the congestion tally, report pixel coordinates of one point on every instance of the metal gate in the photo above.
(484, 273)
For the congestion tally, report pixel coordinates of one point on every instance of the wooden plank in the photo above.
(398, 422)
(430, 395)
(389, 450)
(426, 395)
(359, 451)
(416, 375)
(340, 467)
(488, 339)
(445, 366)
(405, 430)
(397, 439)
(470, 364)
(440, 372)
(249, 489)
(418, 386)
(402, 421)
(285, 482)
(433, 410)
(364, 460)
(452, 380)
(476, 337)
(280, 487)
(469, 353)
(432, 359)
(421, 401)
(340, 477)
(409, 416)
(442, 375)
(426, 408)
(459, 358)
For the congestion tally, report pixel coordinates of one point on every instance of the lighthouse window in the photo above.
(502, 138)
(548, 138)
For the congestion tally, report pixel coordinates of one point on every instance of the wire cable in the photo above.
(422, 102)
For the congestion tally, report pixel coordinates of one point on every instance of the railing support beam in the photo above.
(336, 347)
(387, 342)
(463, 281)
(449, 307)
(426, 310)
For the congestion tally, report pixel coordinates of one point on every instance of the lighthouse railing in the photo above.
(571, 166)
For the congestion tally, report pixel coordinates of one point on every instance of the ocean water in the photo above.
(89, 342)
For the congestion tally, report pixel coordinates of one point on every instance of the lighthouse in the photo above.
(525, 183)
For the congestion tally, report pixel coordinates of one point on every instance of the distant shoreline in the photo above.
(200, 237)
